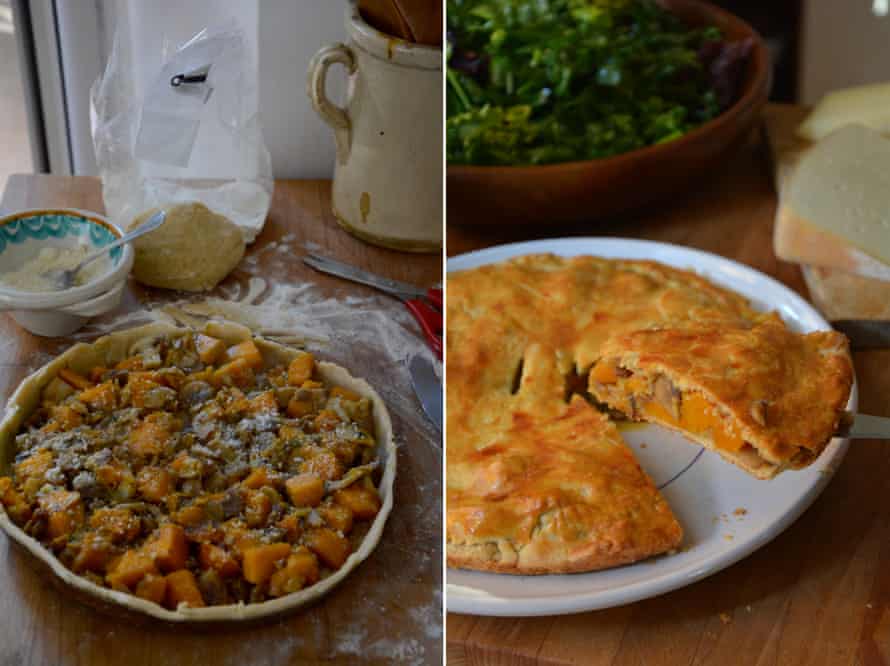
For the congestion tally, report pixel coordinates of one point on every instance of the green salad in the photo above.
(545, 81)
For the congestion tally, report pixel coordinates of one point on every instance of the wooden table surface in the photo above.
(820, 592)
(389, 607)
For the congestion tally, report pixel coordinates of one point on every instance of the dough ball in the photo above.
(192, 251)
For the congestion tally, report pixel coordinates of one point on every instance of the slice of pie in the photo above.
(764, 397)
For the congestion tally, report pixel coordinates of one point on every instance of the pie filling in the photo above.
(195, 474)
(643, 398)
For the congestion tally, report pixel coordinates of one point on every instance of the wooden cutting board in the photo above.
(838, 294)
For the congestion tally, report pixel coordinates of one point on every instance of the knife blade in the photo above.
(865, 333)
(428, 388)
(356, 274)
(863, 426)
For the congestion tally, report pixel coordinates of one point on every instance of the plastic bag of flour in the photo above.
(175, 122)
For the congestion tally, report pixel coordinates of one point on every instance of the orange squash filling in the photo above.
(697, 414)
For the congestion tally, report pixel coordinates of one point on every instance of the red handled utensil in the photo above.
(425, 305)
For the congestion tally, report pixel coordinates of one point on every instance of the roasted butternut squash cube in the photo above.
(101, 396)
(209, 349)
(152, 587)
(305, 489)
(75, 379)
(326, 419)
(64, 511)
(259, 477)
(322, 463)
(238, 538)
(260, 562)
(154, 483)
(218, 559)
(94, 553)
(185, 466)
(109, 475)
(264, 403)
(257, 508)
(246, 351)
(190, 516)
(363, 502)
(337, 516)
(330, 547)
(64, 418)
(291, 526)
(235, 373)
(14, 502)
(604, 373)
(344, 393)
(300, 369)
(169, 547)
(182, 588)
(130, 569)
(285, 581)
(151, 436)
(304, 561)
(119, 525)
(139, 384)
(298, 408)
(36, 465)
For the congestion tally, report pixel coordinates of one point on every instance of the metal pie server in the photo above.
(865, 333)
(428, 388)
(863, 426)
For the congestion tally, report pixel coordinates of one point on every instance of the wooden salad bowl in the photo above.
(593, 189)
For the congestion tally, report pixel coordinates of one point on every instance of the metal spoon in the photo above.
(64, 278)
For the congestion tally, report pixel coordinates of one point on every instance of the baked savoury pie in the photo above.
(178, 470)
(543, 350)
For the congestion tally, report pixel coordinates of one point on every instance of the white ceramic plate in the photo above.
(726, 514)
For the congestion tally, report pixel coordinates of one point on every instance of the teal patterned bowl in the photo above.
(25, 233)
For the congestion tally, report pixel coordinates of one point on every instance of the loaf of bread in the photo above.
(835, 209)
(863, 105)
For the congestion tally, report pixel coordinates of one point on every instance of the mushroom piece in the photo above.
(667, 395)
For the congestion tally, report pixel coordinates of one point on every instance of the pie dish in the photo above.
(507, 321)
(167, 467)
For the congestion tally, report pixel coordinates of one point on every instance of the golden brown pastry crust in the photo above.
(538, 481)
(783, 392)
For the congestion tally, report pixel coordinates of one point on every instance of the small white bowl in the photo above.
(25, 233)
(54, 323)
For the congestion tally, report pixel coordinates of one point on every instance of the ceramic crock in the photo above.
(388, 175)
